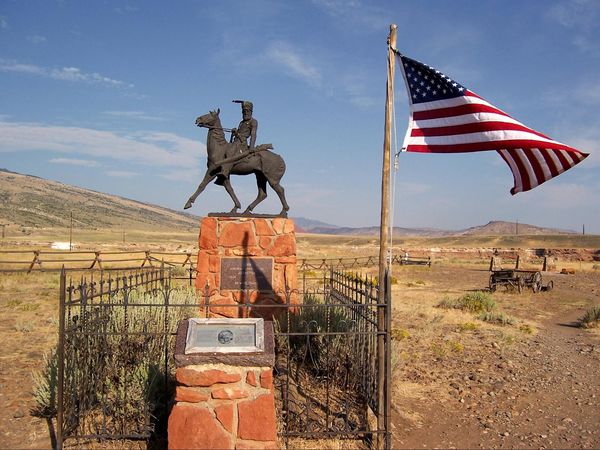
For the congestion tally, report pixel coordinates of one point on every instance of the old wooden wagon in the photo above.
(518, 279)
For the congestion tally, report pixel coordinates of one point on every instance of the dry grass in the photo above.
(431, 344)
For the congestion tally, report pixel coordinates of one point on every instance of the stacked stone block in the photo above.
(246, 237)
(222, 406)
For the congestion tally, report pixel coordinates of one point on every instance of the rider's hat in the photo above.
(246, 105)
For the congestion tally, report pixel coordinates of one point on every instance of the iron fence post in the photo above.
(61, 360)
(388, 359)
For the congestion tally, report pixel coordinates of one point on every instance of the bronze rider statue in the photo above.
(246, 129)
(240, 135)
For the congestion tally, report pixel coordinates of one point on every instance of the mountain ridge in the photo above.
(31, 201)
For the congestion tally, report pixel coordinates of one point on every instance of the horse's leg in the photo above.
(261, 184)
(229, 189)
(208, 177)
(281, 194)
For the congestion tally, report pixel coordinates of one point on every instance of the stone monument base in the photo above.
(223, 401)
(246, 266)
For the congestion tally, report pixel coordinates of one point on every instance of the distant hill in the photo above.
(493, 228)
(31, 201)
(304, 225)
(35, 202)
(500, 228)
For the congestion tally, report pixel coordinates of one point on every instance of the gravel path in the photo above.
(542, 392)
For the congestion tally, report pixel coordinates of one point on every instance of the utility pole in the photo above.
(71, 233)
(517, 227)
(582, 231)
(383, 341)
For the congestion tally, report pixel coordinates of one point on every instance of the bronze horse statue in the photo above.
(224, 158)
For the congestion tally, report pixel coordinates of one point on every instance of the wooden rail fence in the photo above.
(53, 260)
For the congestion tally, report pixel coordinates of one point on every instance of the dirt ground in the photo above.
(461, 383)
(458, 381)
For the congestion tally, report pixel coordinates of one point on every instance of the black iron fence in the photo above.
(116, 371)
(115, 334)
(328, 369)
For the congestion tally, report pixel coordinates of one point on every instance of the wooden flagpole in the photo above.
(384, 247)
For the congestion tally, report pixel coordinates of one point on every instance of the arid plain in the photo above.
(525, 378)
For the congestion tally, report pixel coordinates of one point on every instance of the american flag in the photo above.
(446, 117)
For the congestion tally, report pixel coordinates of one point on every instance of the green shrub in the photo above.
(468, 326)
(315, 317)
(309, 273)
(180, 271)
(591, 318)
(526, 328)
(475, 302)
(439, 350)
(456, 347)
(44, 387)
(130, 354)
(400, 334)
(496, 318)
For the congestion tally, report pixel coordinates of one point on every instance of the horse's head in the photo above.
(208, 120)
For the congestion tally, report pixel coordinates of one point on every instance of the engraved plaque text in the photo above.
(225, 335)
(247, 273)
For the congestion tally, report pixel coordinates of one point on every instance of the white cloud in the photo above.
(75, 162)
(356, 88)
(354, 12)
(296, 65)
(138, 115)
(126, 9)
(583, 92)
(574, 13)
(564, 196)
(121, 173)
(22, 68)
(582, 17)
(3, 23)
(192, 174)
(150, 148)
(64, 73)
(36, 39)
(588, 93)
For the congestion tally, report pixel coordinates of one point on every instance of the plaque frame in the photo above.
(262, 284)
(256, 324)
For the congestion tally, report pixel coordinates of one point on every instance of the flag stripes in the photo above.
(446, 117)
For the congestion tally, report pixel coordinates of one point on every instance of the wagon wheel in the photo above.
(492, 284)
(520, 284)
(536, 284)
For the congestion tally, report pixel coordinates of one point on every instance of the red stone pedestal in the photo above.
(272, 240)
(223, 401)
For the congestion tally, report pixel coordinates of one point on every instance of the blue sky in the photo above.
(104, 95)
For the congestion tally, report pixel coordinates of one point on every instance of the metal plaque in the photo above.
(225, 336)
(247, 273)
